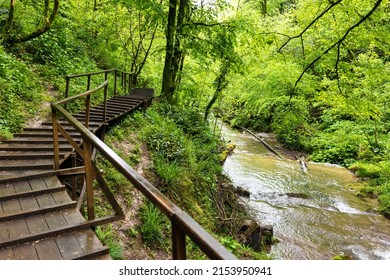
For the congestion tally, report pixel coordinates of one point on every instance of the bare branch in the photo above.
(332, 4)
(338, 43)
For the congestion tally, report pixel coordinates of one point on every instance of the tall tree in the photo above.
(178, 14)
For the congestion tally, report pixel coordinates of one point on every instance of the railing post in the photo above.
(74, 179)
(87, 110)
(67, 88)
(89, 178)
(56, 145)
(178, 243)
(130, 82)
(115, 72)
(124, 83)
(105, 103)
(89, 82)
(105, 79)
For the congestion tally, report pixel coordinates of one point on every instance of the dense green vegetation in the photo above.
(316, 73)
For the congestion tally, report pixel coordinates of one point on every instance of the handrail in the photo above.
(182, 224)
(89, 92)
(126, 80)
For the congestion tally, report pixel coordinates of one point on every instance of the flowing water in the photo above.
(315, 214)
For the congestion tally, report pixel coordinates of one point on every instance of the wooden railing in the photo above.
(182, 224)
(125, 79)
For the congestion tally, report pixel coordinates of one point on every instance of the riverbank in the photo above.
(315, 214)
(183, 164)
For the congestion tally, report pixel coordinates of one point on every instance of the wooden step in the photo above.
(78, 245)
(7, 155)
(27, 164)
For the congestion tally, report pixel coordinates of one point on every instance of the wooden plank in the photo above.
(37, 224)
(28, 203)
(55, 220)
(6, 189)
(25, 252)
(72, 217)
(88, 240)
(11, 206)
(61, 197)
(6, 254)
(45, 200)
(3, 232)
(68, 246)
(22, 186)
(52, 182)
(37, 184)
(47, 249)
(17, 228)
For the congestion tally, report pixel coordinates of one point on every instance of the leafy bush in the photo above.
(384, 207)
(20, 93)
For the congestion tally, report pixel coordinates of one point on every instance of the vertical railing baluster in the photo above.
(105, 76)
(115, 73)
(87, 147)
(87, 110)
(124, 83)
(74, 178)
(67, 89)
(130, 83)
(178, 243)
(89, 82)
(56, 145)
(105, 103)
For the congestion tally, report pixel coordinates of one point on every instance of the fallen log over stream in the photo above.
(263, 142)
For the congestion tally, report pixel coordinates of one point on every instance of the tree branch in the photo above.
(332, 4)
(338, 43)
(47, 21)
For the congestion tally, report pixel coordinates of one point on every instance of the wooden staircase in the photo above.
(38, 218)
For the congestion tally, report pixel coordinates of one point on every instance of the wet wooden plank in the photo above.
(11, 206)
(22, 186)
(88, 240)
(6, 189)
(61, 197)
(45, 200)
(72, 216)
(3, 232)
(48, 250)
(55, 220)
(52, 182)
(37, 224)
(69, 246)
(28, 203)
(17, 228)
(25, 252)
(37, 184)
(6, 254)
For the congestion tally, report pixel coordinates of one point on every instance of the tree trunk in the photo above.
(169, 50)
(178, 55)
(47, 22)
(221, 83)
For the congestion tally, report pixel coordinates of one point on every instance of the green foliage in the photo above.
(240, 250)
(185, 156)
(384, 201)
(154, 225)
(109, 237)
(20, 93)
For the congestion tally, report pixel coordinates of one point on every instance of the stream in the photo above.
(315, 214)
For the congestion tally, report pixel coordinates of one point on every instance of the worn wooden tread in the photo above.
(68, 246)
